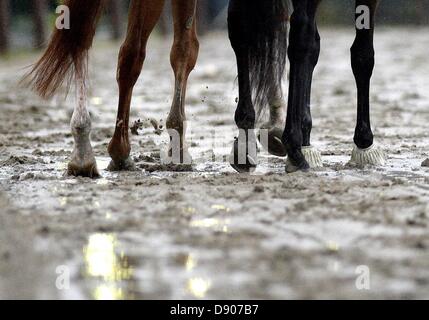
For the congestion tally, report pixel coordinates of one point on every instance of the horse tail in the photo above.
(66, 56)
(268, 49)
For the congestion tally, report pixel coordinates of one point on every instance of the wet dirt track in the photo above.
(212, 233)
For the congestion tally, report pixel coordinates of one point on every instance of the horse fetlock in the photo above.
(119, 149)
(296, 160)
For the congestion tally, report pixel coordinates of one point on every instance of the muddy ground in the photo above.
(212, 233)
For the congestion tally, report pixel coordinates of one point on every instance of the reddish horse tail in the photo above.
(67, 53)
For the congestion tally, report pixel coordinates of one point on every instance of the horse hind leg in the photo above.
(82, 161)
(143, 16)
(273, 128)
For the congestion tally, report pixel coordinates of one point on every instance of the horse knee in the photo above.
(184, 55)
(363, 59)
(304, 41)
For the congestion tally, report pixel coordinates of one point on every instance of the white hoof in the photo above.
(372, 156)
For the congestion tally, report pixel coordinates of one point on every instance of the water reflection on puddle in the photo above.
(107, 267)
(198, 287)
(211, 223)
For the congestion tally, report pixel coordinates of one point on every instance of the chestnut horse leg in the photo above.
(143, 16)
(184, 54)
(362, 51)
(82, 161)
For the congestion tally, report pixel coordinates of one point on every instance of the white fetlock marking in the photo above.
(313, 157)
(369, 156)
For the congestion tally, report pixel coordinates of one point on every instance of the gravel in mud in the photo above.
(212, 233)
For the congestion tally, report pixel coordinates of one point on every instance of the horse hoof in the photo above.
(312, 157)
(291, 168)
(371, 156)
(296, 161)
(87, 169)
(124, 165)
(247, 165)
(275, 144)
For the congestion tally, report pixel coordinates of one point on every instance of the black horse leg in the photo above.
(303, 53)
(243, 158)
(307, 122)
(312, 155)
(363, 61)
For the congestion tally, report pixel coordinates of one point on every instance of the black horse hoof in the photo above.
(275, 145)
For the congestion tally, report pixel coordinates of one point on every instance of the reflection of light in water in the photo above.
(220, 207)
(191, 263)
(211, 223)
(63, 201)
(198, 287)
(189, 210)
(103, 262)
(333, 246)
(108, 292)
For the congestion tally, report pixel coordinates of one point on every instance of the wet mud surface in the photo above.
(210, 232)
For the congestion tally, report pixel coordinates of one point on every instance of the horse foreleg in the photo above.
(303, 49)
(143, 16)
(184, 54)
(363, 61)
(82, 161)
(243, 157)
